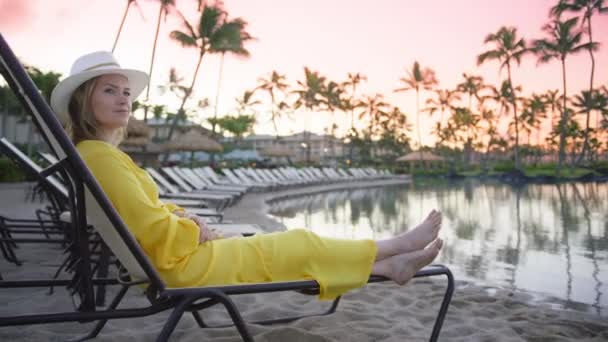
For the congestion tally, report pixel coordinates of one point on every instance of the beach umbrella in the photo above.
(137, 128)
(419, 156)
(135, 141)
(193, 141)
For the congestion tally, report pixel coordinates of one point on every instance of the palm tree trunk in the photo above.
(538, 151)
(180, 111)
(217, 98)
(160, 12)
(217, 92)
(273, 116)
(514, 104)
(562, 124)
(122, 22)
(352, 128)
(586, 142)
(418, 123)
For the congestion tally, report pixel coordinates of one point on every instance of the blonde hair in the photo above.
(82, 124)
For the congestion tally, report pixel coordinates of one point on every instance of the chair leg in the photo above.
(445, 303)
(101, 323)
(199, 319)
(102, 272)
(235, 316)
(174, 318)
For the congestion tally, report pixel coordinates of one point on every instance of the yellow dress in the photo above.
(171, 242)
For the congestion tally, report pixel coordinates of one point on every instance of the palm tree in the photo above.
(554, 102)
(588, 8)
(333, 99)
(586, 102)
(233, 43)
(122, 22)
(489, 117)
(309, 96)
(562, 41)
(354, 79)
(444, 101)
(471, 85)
(246, 103)
(164, 7)
(209, 37)
(504, 98)
(467, 122)
(538, 112)
(507, 48)
(372, 107)
(393, 135)
(274, 85)
(534, 110)
(418, 78)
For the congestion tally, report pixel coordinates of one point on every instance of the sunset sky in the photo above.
(379, 39)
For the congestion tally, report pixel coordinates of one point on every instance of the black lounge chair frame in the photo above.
(82, 186)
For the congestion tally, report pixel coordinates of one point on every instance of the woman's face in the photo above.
(110, 102)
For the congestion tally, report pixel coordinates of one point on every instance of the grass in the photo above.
(542, 170)
(566, 172)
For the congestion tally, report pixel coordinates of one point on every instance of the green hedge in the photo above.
(504, 166)
(601, 167)
(9, 172)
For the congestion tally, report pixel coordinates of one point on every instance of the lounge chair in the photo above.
(199, 182)
(88, 204)
(183, 185)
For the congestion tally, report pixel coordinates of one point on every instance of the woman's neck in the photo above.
(112, 137)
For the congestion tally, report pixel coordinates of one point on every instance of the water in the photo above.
(550, 240)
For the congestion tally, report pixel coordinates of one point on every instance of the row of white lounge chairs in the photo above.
(234, 182)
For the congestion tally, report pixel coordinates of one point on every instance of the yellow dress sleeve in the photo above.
(173, 208)
(166, 238)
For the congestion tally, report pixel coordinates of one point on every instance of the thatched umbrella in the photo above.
(276, 151)
(137, 128)
(419, 156)
(135, 141)
(194, 141)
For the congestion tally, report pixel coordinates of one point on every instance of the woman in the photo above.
(95, 103)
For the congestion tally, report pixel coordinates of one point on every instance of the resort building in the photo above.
(300, 147)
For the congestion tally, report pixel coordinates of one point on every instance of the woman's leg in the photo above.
(402, 267)
(413, 240)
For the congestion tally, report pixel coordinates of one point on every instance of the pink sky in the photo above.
(378, 39)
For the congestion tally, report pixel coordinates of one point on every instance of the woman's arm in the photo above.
(166, 238)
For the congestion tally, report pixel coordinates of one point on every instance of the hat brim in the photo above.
(61, 95)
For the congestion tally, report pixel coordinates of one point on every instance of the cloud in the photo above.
(14, 15)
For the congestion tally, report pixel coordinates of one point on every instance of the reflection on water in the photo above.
(549, 239)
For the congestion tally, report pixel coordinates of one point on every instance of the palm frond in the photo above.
(184, 39)
(211, 19)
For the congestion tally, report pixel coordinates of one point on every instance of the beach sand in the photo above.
(377, 312)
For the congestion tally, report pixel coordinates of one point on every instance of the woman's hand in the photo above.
(206, 234)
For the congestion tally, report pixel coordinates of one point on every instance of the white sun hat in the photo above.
(90, 66)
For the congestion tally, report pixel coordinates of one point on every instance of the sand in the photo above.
(377, 312)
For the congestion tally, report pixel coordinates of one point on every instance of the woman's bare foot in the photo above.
(412, 240)
(422, 235)
(402, 267)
